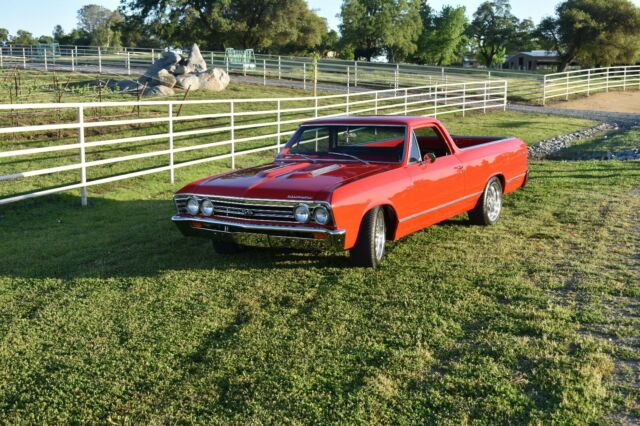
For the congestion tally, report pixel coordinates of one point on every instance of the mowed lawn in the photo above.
(109, 315)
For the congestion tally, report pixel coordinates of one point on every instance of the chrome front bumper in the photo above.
(250, 234)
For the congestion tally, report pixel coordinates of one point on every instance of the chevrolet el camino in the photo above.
(353, 184)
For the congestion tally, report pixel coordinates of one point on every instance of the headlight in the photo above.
(193, 206)
(207, 208)
(301, 213)
(321, 215)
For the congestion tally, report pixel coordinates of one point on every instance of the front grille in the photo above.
(239, 208)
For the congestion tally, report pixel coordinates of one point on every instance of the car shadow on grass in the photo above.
(54, 237)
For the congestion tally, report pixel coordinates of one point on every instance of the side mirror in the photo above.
(431, 156)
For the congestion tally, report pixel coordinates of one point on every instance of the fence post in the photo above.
(1, 64)
(464, 97)
(607, 79)
(46, 66)
(226, 63)
(11, 50)
(264, 72)
(233, 135)
(153, 56)
(83, 167)
(211, 59)
(171, 159)
(128, 64)
(348, 78)
(406, 99)
(348, 100)
(24, 59)
(624, 80)
(544, 90)
(504, 94)
(589, 82)
(304, 76)
(375, 105)
(397, 82)
(484, 103)
(73, 65)
(279, 73)
(435, 101)
(567, 88)
(315, 77)
(355, 73)
(278, 126)
(315, 106)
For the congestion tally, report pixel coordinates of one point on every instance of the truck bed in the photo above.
(471, 141)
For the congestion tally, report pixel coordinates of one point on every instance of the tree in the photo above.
(593, 32)
(45, 39)
(4, 35)
(100, 24)
(265, 25)
(493, 29)
(58, 34)
(23, 37)
(442, 36)
(329, 43)
(376, 26)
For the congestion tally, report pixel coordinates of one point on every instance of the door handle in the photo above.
(458, 167)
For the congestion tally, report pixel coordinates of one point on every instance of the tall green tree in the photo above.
(373, 27)
(100, 24)
(4, 35)
(23, 37)
(493, 29)
(593, 32)
(442, 36)
(265, 25)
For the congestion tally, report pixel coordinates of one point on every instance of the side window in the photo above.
(431, 141)
(414, 153)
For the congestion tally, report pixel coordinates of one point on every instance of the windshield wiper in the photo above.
(306, 157)
(348, 155)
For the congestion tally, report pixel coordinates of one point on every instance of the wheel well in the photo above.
(502, 181)
(390, 219)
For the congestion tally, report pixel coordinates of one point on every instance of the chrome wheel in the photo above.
(493, 200)
(379, 237)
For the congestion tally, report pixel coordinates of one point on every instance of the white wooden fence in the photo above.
(585, 82)
(239, 123)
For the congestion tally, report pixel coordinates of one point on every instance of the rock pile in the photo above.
(171, 71)
(550, 146)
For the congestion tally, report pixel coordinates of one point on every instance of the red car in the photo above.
(352, 184)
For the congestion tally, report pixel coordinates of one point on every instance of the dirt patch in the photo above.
(628, 102)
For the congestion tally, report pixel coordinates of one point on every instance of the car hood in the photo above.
(303, 180)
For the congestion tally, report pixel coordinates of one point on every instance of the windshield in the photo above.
(350, 143)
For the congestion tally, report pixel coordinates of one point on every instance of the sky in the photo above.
(40, 16)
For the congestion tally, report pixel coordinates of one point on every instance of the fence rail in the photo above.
(157, 138)
(133, 61)
(585, 82)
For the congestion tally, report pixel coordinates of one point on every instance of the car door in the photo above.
(437, 183)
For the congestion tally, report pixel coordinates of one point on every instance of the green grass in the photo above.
(109, 315)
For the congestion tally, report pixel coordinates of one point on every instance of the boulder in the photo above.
(188, 81)
(168, 61)
(195, 61)
(214, 80)
(158, 91)
(165, 78)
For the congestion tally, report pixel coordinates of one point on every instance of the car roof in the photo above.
(387, 120)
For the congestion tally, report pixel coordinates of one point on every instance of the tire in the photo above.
(226, 247)
(369, 248)
(487, 211)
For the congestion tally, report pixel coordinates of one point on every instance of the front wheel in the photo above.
(372, 237)
(487, 211)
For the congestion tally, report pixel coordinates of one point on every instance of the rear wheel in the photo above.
(226, 247)
(372, 237)
(487, 211)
